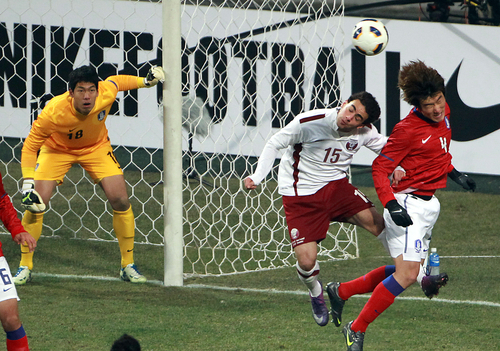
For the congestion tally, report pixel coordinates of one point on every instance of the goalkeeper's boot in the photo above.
(432, 283)
(130, 273)
(353, 340)
(319, 310)
(336, 302)
(22, 276)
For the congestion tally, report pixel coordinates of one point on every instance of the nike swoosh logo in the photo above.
(349, 342)
(426, 140)
(317, 319)
(6, 289)
(469, 123)
(72, 129)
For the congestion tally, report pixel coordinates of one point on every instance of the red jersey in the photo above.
(421, 147)
(8, 215)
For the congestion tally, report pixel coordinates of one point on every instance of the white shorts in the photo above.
(413, 241)
(7, 287)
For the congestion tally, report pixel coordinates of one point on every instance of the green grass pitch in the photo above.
(76, 301)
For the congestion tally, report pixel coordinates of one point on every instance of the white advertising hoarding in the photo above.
(105, 35)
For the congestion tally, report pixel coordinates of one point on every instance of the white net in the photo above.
(247, 69)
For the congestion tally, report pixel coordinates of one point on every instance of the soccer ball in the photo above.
(370, 37)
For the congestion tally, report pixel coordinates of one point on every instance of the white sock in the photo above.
(310, 279)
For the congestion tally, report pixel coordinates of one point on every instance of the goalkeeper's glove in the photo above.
(155, 75)
(31, 200)
(398, 214)
(462, 179)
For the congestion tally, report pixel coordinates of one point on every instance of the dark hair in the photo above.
(370, 103)
(86, 74)
(126, 343)
(419, 82)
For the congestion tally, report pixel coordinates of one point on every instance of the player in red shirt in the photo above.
(9, 314)
(420, 144)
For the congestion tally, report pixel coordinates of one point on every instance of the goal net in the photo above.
(247, 69)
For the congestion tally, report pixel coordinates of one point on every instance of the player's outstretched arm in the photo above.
(25, 238)
(155, 75)
(31, 200)
(462, 179)
(398, 214)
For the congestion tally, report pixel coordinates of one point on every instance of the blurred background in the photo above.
(482, 12)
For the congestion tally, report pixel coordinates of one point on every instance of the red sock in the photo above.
(17, 340)
(18, 345)
(383, 296)
(366, 283)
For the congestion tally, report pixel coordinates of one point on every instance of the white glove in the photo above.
(31, 200)
(155, 75)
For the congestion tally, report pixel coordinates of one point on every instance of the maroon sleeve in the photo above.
(8, 214)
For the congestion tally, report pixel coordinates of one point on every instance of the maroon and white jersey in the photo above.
(316, 152)
(421, 147)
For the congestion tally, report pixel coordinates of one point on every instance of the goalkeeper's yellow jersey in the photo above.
(60, 127)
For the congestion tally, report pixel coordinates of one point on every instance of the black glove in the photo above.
(462, 179)
(399, 214)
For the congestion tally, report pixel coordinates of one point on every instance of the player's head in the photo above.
(359, 110)
(423, 87)
(126, 343)
(86, 74)
(83, 85)
(370, 103)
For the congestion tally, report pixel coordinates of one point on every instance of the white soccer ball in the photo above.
(370, 37)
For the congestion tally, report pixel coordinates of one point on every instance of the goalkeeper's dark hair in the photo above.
(418, 82)
(86, 74)
(370, 103)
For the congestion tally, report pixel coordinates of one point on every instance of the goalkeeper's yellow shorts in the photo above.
(53, 164)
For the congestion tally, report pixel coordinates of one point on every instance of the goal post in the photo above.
(236, 72)
(172, 142)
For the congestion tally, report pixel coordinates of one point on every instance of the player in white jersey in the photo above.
(312, 180)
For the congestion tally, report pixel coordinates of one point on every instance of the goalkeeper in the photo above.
(71, 129)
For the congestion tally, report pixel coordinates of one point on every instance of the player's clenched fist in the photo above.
(398, 214)
(31, 200)
(154, 76)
